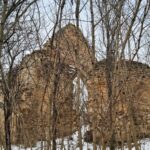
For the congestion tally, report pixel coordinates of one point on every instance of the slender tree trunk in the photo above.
(7, 122)
(57, 72)
(54, 126)
(109, 77)
(92, 32)
(54, 117)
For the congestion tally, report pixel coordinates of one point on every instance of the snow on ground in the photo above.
(71, 143)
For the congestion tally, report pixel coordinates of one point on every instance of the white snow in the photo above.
(71, 143)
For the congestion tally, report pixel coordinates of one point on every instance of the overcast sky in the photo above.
(48, 10)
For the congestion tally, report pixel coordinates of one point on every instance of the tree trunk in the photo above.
(57, 73)
(7, 122)
(110, 61)
(54, 127)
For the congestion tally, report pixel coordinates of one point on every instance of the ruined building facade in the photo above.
(46, 102)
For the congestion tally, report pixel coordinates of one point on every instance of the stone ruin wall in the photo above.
(36, 73)
(32, 109)
(131, 104)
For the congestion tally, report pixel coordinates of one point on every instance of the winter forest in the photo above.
(74, 74)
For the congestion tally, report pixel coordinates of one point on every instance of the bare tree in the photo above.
(11, 27)
(117, 32)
